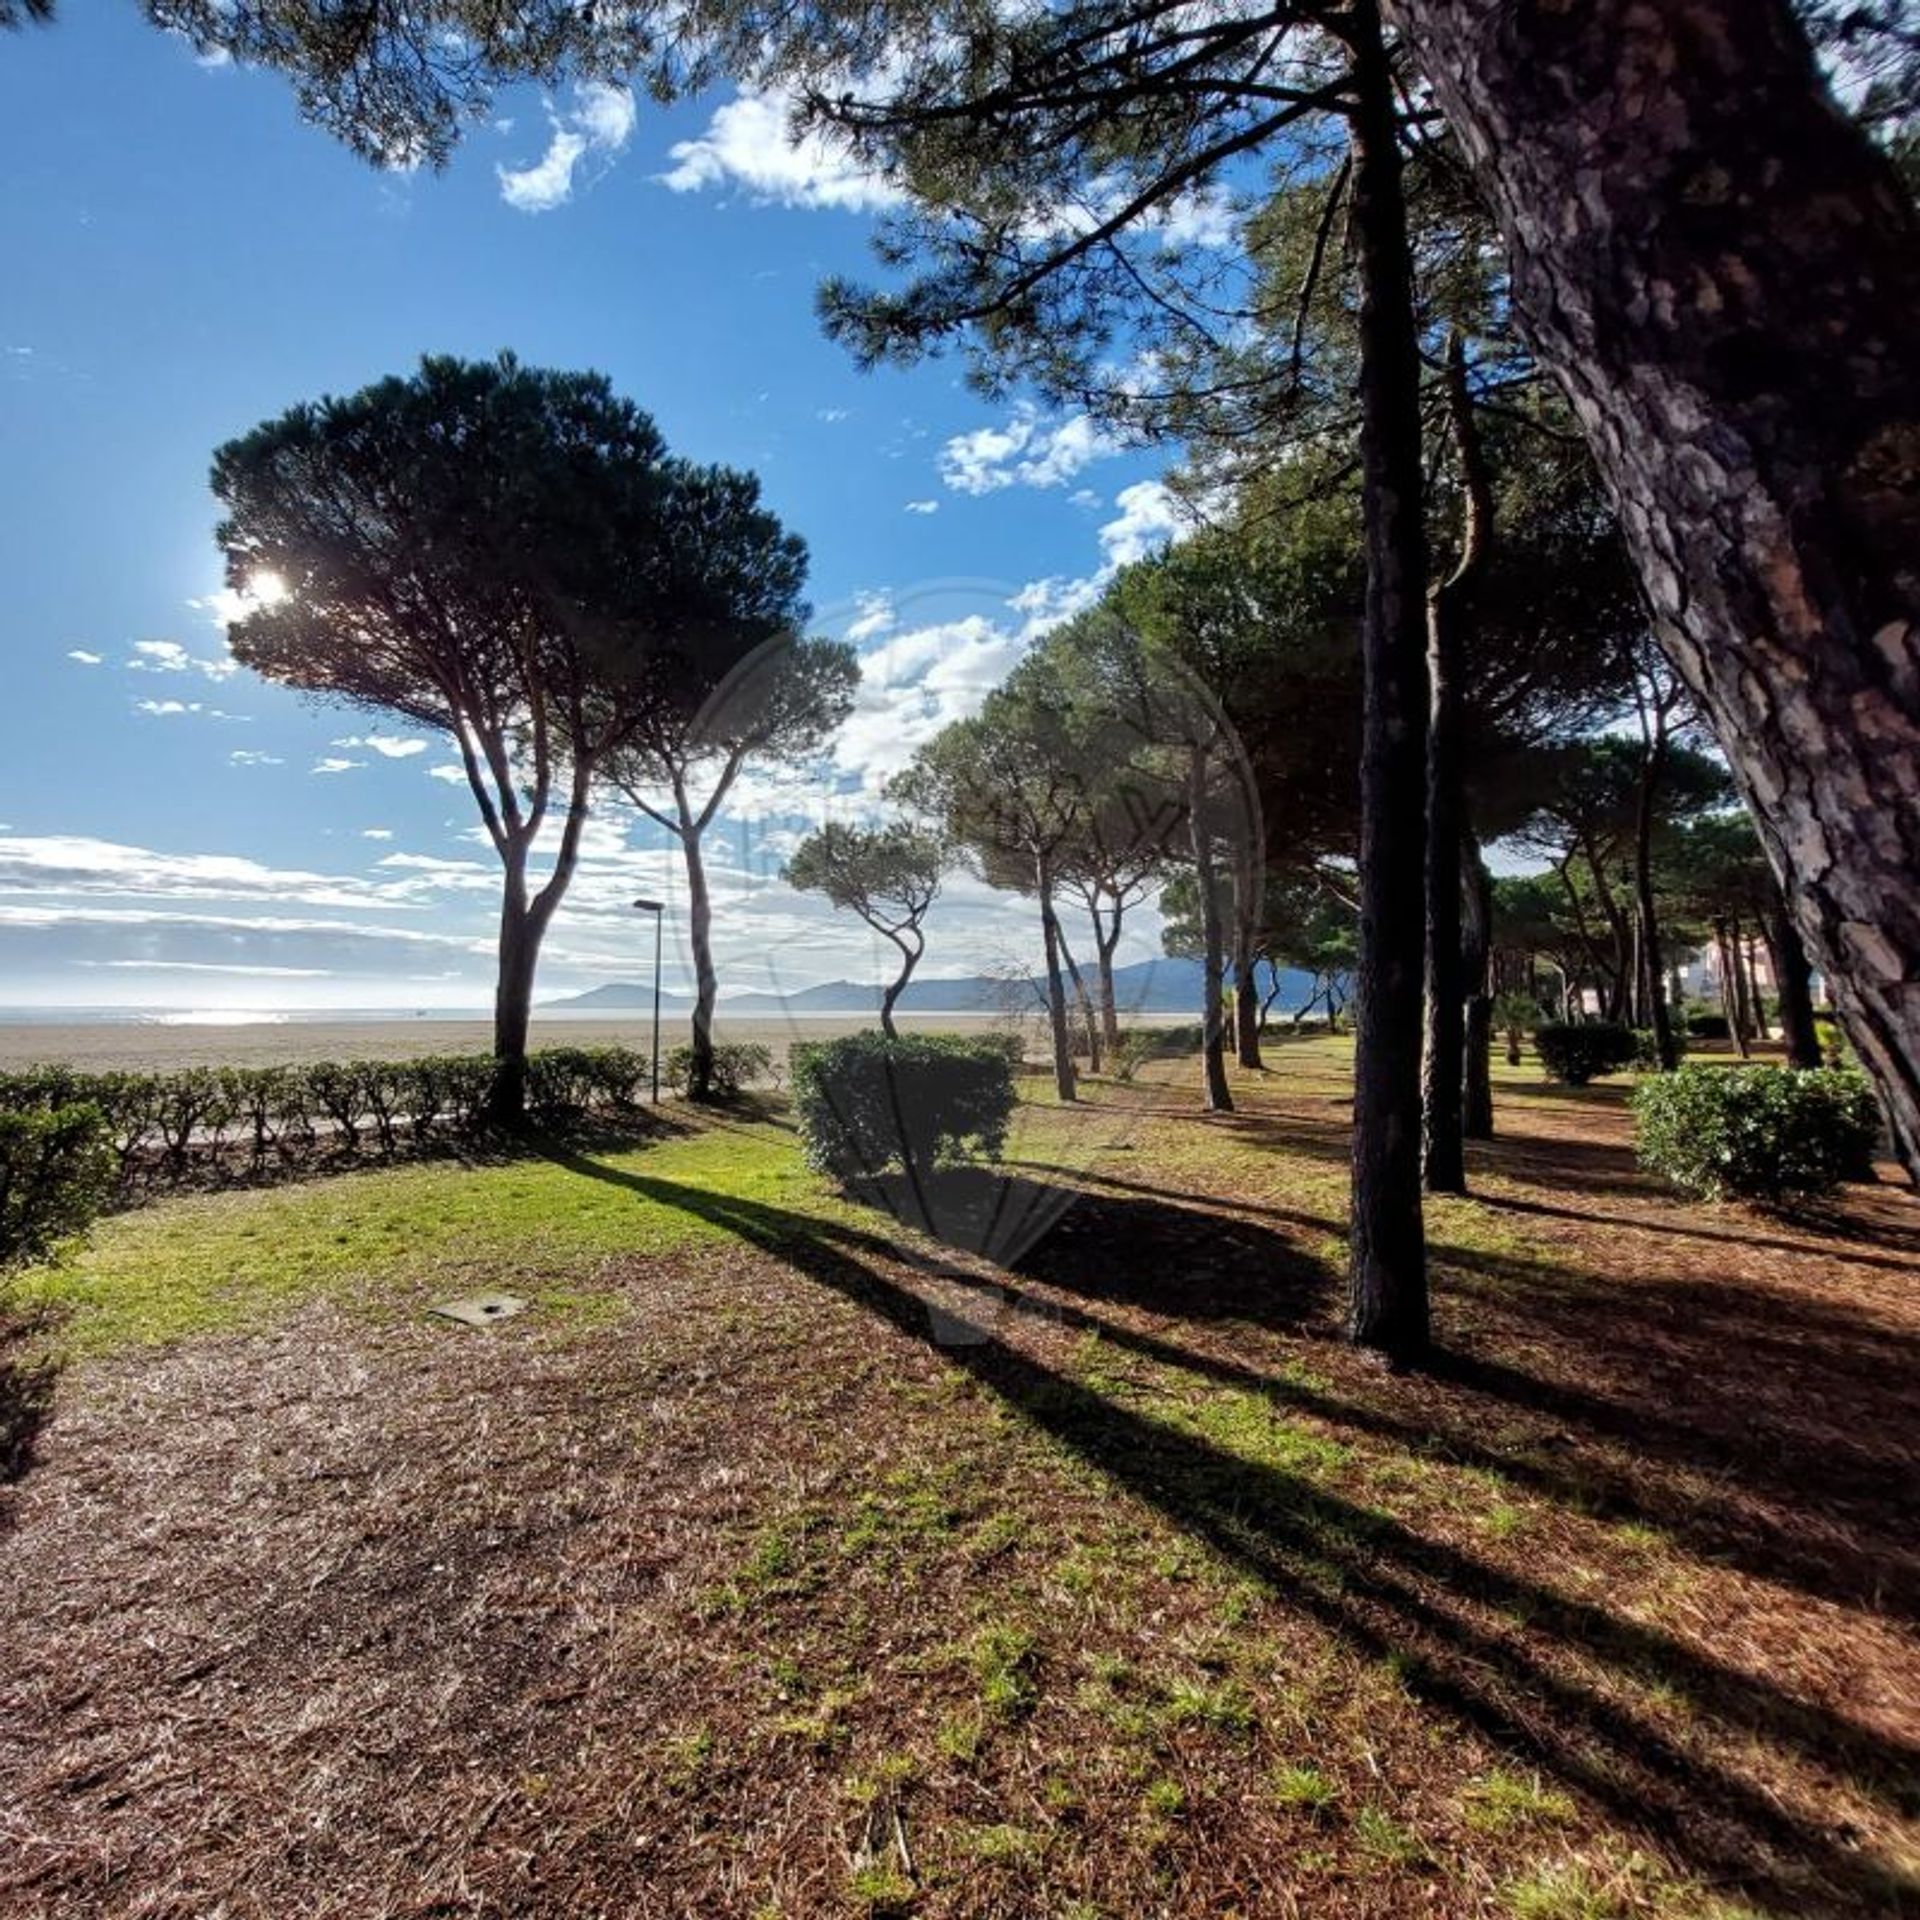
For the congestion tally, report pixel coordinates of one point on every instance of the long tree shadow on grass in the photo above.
(1780, 1429)
(1556, 1690)
(1774, 1433)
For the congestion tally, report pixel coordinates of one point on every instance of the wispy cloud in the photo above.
(873, 615)
(1028, 451)
(598, 124)
(750, 142)
(169, 656)
(333, 763)
(390, 746)
(168, 708)
(80, 864)
(85, 658)
(923, 506)
(250, 757)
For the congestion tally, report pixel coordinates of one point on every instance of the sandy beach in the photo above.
(129, 1045)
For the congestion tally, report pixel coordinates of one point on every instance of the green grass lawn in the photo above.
(376, 1241)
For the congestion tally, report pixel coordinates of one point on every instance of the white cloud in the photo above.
(390, 746)
(376, 833)
(605, 113)
(599, 123)
(248, 757)
(1150, 516)
(1206, 218)
(85, 658)
(429, 873)
(912, 684)
(451, 771)
(1028, 451)
(923, 506)
(874, 616)
(750, 143)
(333, 763)
(166, 706)
(80, 864)
(830, 416)
(212, 966)
(1048, 602)
(169, 656)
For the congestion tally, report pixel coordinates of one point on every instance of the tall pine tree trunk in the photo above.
(1449, 617)
(1058, 1031)
(1106, 937)
(1723, 274)
(1089, 1018)
(1387, 1308)
(1794, 980)
(706, 981)
(519, 953)
(1246, 937)
(1652, 967)
(1476, 947)
(1742, 983)
(1729, 986)
(1212, 940)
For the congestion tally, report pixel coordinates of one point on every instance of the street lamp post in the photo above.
(658, 909)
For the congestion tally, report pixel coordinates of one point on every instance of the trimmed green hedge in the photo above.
(866, 1104)
(1577, 1051)
(164, 1128)
(56, 1173)
(1756, 1133)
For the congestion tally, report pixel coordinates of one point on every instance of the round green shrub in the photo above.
(56, 1172)
(1756, 1133)
(1577, 1051)
(866, 1104)
(1646, 1048)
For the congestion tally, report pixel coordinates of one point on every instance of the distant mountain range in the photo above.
(1147, 986)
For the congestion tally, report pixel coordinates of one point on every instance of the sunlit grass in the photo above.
(376, 1239)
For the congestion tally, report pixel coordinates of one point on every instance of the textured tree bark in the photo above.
(1063, 1080)
(1246, 990)
(1647, 914)
(1387, 1307)
(1089, 1018)
(1219, 1097)
(513, 995)
(910, 951)
(1729, 986)
(706, 981)
(1106, 938)
(1752, 974)
(1794, 978)
(1476, 947)
(1449, 616)
(1723, 274)
(1742, 984)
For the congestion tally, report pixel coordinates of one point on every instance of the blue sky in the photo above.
(185, 258)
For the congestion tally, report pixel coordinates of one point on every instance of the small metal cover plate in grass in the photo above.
(481, 1309)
